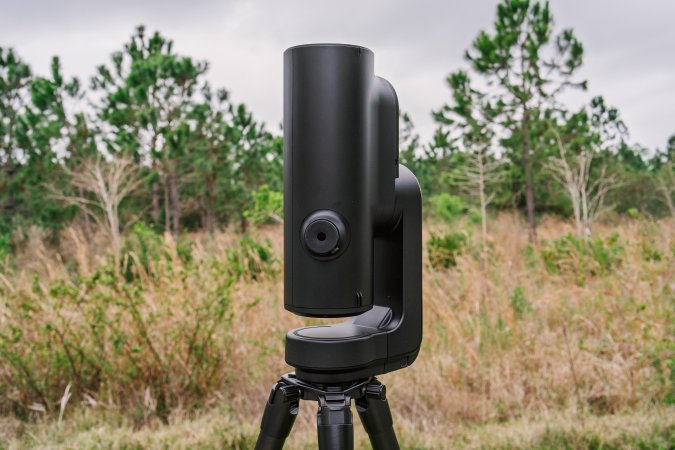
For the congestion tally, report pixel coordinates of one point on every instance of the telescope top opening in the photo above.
(359, 47)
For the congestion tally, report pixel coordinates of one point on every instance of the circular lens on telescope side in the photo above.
(322, 237)
(324, 234)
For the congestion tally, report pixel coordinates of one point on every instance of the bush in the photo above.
(184, 248)
(450, 208)
(443, 250)
(149, 339)
(520, 303)
(148, 345)
(149, 248)
(5, 247)
(251, 260)
(5, 244)
(268, 206)
(649, 235)
(146, 245)
(595, 257)
(447, 207)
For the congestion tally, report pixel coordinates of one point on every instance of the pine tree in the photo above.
(60, 136)
(147, 94)
(469, 117)
(526, 68)
(15, 78)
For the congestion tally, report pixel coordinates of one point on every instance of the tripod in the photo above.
(334, 417)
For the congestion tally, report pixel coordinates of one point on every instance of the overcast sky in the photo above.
(630, 45)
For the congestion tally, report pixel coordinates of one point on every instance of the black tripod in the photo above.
(334, 417)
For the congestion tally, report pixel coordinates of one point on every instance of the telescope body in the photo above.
(340, 166)
(352, 219)
(352, 247)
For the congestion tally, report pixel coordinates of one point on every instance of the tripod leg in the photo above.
(279, 416)
(376, 417)
(334, 422)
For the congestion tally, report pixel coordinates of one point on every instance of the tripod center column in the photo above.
(334, 422)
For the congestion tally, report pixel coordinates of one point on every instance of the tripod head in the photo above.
(352, 230)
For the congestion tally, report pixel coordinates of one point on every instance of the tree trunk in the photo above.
(585, 214)
(210, 220)
(154, 190)
(167, 206)
(483, 210)
(529, 185)
(9, 168)
(209, 213)
(111, 212)
(576, 206)
(155, 204)
(665, 188)
(175, 201)
(9, 203)
(88, 234)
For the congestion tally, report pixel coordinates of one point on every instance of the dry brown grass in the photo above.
(577, 351)
(220, 429)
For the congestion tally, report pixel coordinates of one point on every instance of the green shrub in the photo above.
(595, 257)
(251, 260)
(520, 303)
(184, 248)
(149, 247)
(443, 250)
(146, 245)
(268, 206)
(649, 234)
(662, 356)
(649, 252)
(450, 208)
(529, 253)
(5, 246)
(633, 213)
(447, 207)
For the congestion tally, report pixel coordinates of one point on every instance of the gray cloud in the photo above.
(629, 45)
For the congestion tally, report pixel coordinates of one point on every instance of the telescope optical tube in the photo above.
(340, 164)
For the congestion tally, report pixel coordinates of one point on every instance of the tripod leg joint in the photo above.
(279, 416)
(285, 393)
(375, 415)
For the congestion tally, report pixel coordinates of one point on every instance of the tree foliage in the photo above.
(526, 68)
(204, 161)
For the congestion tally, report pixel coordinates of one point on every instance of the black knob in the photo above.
(322, 237)
(324, 234)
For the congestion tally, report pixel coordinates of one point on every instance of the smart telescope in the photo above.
(352, 247)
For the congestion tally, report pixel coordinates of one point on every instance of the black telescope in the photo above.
(352, 246)
(340, 162)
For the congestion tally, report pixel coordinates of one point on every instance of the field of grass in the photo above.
(652, 429)
(563, 345)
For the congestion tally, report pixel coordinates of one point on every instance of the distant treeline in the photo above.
(193, 159)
